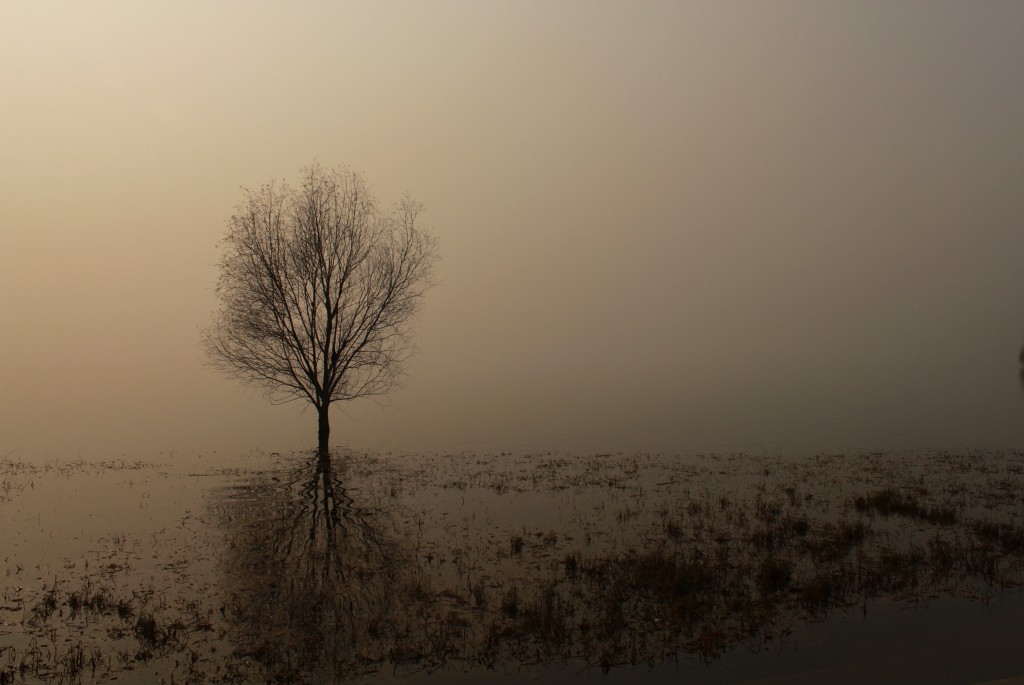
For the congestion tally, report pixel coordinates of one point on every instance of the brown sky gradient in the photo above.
(667, 226)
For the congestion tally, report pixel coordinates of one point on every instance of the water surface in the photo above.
(514, 567)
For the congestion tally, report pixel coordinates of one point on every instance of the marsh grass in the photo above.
(1008, 537)
(465, 562)
(157, 632)
(893, 502)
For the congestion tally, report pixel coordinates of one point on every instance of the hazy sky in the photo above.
(672, 226)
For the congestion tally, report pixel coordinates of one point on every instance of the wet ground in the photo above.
(513, 568)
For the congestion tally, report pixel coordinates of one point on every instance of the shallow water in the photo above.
(511, 567)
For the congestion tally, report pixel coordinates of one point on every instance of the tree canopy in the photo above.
(318, 290)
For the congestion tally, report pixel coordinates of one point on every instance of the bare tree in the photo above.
(318, 289)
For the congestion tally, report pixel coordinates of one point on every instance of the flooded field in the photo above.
(513, 568)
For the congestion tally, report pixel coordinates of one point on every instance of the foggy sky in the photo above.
(669, 226)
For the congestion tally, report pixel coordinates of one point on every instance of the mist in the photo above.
(674, 227)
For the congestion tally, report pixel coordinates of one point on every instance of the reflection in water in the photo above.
(448, 573)
(307, 570)
(375, 564)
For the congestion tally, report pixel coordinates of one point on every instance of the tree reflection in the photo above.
(311, 577)
(322, 587)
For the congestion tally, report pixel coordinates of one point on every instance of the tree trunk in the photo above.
(324, 432)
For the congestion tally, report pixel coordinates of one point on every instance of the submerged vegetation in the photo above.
(314, 569)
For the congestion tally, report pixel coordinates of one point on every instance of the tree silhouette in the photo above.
(318, 289)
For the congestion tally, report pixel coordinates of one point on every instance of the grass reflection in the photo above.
(328, 583)
(362, 565)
